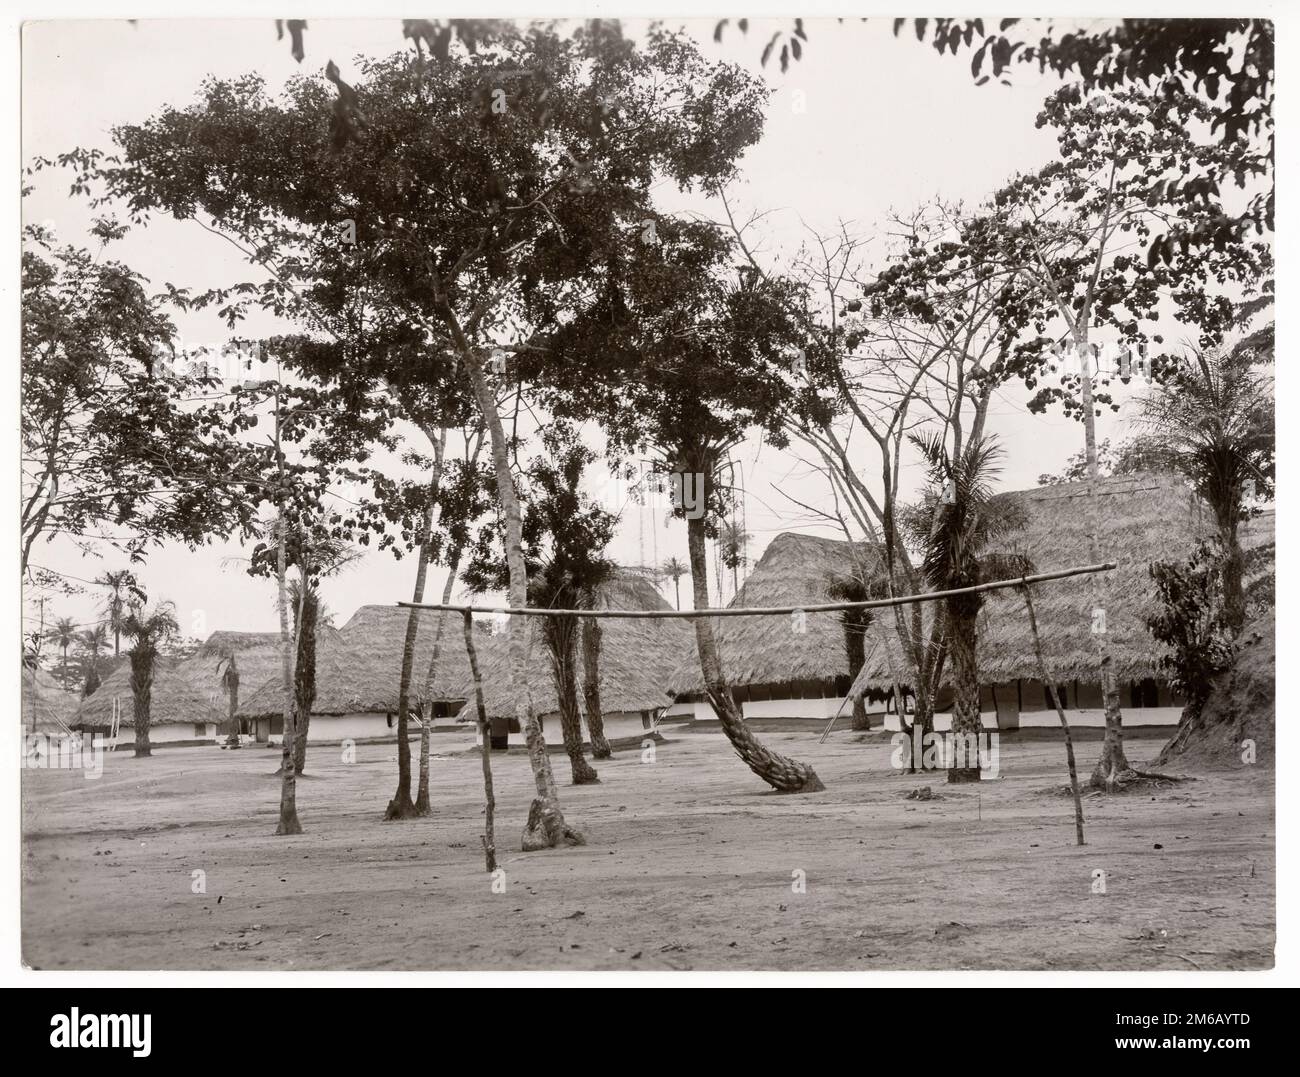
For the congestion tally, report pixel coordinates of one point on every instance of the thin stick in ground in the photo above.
(489, 837)
(1060, 713)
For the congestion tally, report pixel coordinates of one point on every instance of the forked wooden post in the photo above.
(489, 837)
(1060, 713)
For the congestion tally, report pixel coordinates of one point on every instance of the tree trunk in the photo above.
(677, 591)
(782, 774)
(561, 644)
(402, 806)
(966, 724)
(232, 695)
(289, 823)
(489, 797)
(304, 676)
(1113, 765)
(591, 642)
(422, 805)
(855, 647)
(142, 705)
(546, 827)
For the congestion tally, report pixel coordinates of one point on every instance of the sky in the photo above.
(866, 123)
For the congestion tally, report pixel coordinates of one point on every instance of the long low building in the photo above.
(1141, 518)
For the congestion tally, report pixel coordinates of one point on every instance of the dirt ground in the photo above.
(691, 864)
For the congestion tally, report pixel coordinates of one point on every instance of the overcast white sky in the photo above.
(888, 123)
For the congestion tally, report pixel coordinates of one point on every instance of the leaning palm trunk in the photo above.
(591, 641)
(546, 825)
(966, 724)
(422, 806)
(561, 645)
(782, 774)
(142, 689)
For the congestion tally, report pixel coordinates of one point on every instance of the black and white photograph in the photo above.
(684, 497)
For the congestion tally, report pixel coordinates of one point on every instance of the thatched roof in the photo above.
(180, 694)
(1142, 518)
(637, 658)
(794, 570)
(45, 703)
(376, 635)
(341, 687)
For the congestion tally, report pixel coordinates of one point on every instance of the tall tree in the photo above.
(92, 640)
(119, 584)
(1213, 421)
(564, 540)
(958, 520)
(675, 570)
(63, 634)
(682, 361)
(147, 629)
(111, 451)
(536, 161)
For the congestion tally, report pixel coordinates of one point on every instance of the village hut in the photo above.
(637, 659)
(377, 634)
(256, 657)
(788, 666)
(349, 704)
(1142, 518)
(46, 707)
(185, 706)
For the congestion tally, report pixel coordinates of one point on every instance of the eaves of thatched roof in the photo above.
(1140, 518)
(637, 658)
(795, 570)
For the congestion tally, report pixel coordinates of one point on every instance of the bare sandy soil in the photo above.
(691, 864)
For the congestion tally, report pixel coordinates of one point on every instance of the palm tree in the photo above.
(121, 585)
(1213, 422)
(675, 570)
(147, 630)
(92, 641)
(733, 544)
(63, 635)
(959, 518)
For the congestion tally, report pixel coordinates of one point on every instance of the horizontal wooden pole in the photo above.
(761, 611)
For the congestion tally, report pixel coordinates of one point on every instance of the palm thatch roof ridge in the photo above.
(794, 570)
(637, 657)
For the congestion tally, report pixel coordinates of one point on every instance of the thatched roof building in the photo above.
(341, 685)
(1142, 518)
(376, 635)
(769, 658)
(637, 659)
(181, 695)
(46, 707)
